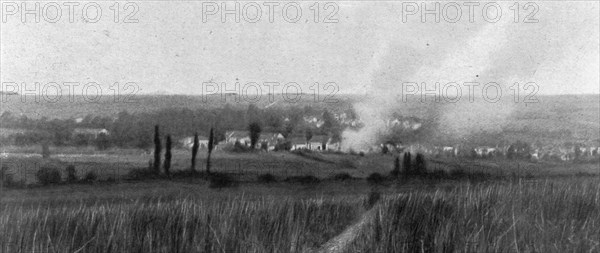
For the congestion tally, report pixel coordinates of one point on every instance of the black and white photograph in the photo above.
(301, 126)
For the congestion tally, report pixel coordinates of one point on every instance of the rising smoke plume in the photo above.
(490, 52)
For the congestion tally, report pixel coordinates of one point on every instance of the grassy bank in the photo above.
(176, 225)
(542, 216)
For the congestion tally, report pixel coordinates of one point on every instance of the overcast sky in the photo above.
(171, 50)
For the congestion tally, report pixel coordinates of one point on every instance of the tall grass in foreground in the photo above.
(538, 217)
(176, 226)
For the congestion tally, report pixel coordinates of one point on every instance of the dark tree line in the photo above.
(128, 130)
(156, 163)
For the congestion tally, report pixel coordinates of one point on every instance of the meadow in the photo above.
(537, 215)
(303, 201)
(463, 205)
(116, 163)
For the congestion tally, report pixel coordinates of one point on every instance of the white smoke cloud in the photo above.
(462, 64)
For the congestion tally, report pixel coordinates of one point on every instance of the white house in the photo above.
(237, 136)
(271, 139)
(298, 143)
(188, 142)
(91, 132)
(318, 142)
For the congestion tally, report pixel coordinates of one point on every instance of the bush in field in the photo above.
(420, 166)
(283, 146)
(267, 178)
(348, 163)
(221, 180)
(375, 178)
(237, 147)
(102, 142)
(48, 175)
(90, 177)
(71, 174)
(309, 179)
(139, 174)
(341, 177)
(6, 177)
(372, 198)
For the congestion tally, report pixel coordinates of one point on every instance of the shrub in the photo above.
(267, 178)
(347, 163)
(221, 180)
(90, 177)
(237, 147)
(283, 146)
(139, 174)
(71, 173)
(341, 177)
(375, 178)
(437, 174)
(6, 177)
(109, 180)
(372, 198)
(48, 175)
(309, 179)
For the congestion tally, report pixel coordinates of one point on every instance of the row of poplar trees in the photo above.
(408, 168)
(168, 154)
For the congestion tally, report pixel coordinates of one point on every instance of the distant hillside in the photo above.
(106, 106)
(553, 118)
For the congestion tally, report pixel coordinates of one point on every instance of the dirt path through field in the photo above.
(340, 243)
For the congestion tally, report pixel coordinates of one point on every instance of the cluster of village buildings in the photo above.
(549, 152)
(268, 141)
(325, 143)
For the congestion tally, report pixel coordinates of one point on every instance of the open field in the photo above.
(553, 215)
(542, 216)
(510, 206)
(115, 164)
(463, 205)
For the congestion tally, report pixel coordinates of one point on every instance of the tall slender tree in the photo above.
(167, 164)
(195, 147)
(406, 164)
(420, 165)
(255, 130)
(211, 146)
(396, 170)
(156, 150)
